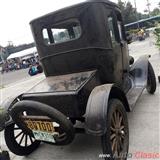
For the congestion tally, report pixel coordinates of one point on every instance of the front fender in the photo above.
(96, 111)
(139, 76)
(139, 71)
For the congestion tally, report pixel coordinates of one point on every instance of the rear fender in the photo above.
(97, 107)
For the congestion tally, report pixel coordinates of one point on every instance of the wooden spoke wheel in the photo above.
(117, 134)
(115, 142)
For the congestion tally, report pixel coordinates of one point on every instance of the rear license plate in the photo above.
(44, 126)
(43, 129)
(44, 136)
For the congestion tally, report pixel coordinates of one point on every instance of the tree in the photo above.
(11, 48)
(155, 12)
(157, 34)
(129, 13)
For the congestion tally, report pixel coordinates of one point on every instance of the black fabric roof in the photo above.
(77, 5)
(102, 1)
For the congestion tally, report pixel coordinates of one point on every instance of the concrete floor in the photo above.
(14, 77)
(144, 121)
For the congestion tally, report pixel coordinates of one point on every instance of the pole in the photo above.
(1, 54)
(137, 17)
(149, 11)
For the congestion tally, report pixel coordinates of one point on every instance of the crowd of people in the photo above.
(17, 64)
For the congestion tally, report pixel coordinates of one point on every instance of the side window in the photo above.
(111, 29)
(120, 30)
(120, 26)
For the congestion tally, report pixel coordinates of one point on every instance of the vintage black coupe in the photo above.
(90, 78)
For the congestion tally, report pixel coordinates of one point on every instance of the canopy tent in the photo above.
(22, 54)
(141, 22)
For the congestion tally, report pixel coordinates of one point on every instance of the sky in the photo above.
(15, 16)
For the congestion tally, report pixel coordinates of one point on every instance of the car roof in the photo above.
(101, 1)
(77, 5)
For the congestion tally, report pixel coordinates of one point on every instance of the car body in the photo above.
(89, 76)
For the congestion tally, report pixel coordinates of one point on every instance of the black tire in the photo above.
(131, 60)
(16, 146)
(115, 107)
(159, 79)
(66, 129)
(151, 81)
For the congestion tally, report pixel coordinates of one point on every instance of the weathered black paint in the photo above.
(93, 50)
(94, 54)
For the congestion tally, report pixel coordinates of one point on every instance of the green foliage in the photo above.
(130, 14)
(155, 12)
(157, 34)
(1, 87)
(1, 110)
(10, 48)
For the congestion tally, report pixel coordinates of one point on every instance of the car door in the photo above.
(123, 42)
(112, 26)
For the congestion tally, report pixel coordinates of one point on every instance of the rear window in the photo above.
(62, 32)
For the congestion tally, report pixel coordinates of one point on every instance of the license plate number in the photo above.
(43, 126)
(43, 129)
(45, 136)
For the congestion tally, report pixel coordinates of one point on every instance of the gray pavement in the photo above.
(14, 77)
(144, 121)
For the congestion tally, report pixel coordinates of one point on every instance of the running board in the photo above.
(133, 95)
